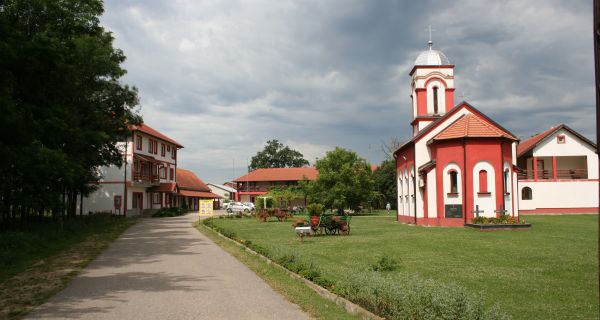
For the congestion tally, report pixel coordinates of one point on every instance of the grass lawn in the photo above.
(39, 261)
(548, 272)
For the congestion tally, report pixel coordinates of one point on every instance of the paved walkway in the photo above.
(166, 269)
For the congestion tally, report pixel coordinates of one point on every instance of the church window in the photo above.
(526, 193)
(506, 181)
(435, 100)
(483, 181)
(453, 181)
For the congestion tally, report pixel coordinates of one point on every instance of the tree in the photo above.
(384, 178)
(63, 105)
(276, 155)
(344, 181)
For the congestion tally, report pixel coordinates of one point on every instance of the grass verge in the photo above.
(43, 259)
(292, 289)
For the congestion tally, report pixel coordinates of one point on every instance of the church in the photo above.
(459, 163)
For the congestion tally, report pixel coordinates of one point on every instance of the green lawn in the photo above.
(548, 272)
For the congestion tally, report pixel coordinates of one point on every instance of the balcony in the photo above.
(561, 174)
(145, 179)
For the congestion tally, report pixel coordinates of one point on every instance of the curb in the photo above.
(351, 307)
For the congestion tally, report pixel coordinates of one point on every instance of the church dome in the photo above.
(432, 57)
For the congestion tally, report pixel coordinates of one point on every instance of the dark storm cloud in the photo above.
(223, 77)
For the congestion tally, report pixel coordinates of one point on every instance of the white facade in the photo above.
(150, 162)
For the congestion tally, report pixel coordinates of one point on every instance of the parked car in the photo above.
(250, 204)
(238, 207)
(226, 205)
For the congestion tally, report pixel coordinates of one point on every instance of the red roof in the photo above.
(280, 174)
(187, 180)
(472, 126)
(530, 143)
(199, 194)
(152, 132)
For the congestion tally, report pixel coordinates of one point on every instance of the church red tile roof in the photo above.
(153, 132)
(472, 126)
(187, 180)
(280, 174)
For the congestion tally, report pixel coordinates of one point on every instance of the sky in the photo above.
(223, 77)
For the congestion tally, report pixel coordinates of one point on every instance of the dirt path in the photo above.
(166, 269)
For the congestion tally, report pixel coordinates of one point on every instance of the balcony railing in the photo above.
(561, 174)
(139, 177)
(252, 189)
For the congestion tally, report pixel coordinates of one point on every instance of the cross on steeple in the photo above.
(430, 43)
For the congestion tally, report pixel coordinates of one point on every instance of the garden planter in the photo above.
(494, 227)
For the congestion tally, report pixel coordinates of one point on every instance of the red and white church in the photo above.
(459, 162)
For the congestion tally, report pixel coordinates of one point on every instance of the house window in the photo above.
(150, 146)
(156, 198)
(435, 100)
(162, 149)
(155, 147)
(560, 139)
(483, 181)
(168, 148)
(526, 193)
(453, 181)
(174, 153)
(163, 172)
(171, 174)
(138, 142)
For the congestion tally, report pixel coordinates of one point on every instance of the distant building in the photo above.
(226, 192)
(145, 181)
(258, 182)
(560, 173)
(190, 189)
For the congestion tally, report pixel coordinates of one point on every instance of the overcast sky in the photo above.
(223, 77)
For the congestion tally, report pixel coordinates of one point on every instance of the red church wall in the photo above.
(449, 99)
(421, 102)
(476, 150)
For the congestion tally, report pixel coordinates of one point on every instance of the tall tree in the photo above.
(344, 181)
(384, 178)
(276, 155)
(64, 107)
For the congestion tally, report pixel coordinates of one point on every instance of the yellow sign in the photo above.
(205, 208)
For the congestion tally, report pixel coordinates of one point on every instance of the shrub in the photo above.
(405, 296)
(505, 219)
(385, 264)
(315, 209)
(169, 212)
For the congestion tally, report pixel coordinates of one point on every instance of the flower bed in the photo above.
(499, 223)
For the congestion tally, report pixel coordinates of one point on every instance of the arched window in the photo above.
(453, 181)
(483, 181)
(435, 100)
(526, 193)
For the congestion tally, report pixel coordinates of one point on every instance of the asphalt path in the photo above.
(166, 269)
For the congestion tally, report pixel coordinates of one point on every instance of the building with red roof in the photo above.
(459, 164)
(190, 189)
(559, 173)
(258, 182)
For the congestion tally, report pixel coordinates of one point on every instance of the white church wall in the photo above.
(432, 194)
(562, 194)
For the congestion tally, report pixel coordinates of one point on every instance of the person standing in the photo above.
(388, 206)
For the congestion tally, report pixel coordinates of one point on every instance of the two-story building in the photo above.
(559, 173)
(147, 179)
(258, 182)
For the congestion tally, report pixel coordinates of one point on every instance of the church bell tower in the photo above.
(432, 87)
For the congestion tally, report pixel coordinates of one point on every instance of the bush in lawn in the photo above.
(169, 212)
(505, 219)
(385, 264)
(404, 296)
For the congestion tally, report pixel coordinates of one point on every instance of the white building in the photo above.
(226, 192)
(560, 173)
(147, 180)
